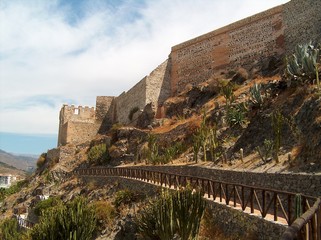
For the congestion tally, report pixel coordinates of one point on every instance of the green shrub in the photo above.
(46, 204)
(124, 197)
(75, 220)
(132, 112)
(16, 187)
(41, 160)
(236, 115)
(173, 214)
(10, 230)
(116, 126)
(228, 93)
(98, 154)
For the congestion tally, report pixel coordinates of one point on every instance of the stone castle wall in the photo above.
(242, 43)
(135, 97)
(71, 116)
(245, 43)
(154, 88)
(103, 105)
(302, 20)
(158, 87)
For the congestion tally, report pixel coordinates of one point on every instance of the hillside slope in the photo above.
(24, 163)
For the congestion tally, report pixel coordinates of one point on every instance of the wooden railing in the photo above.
(307, 226)
(283, 206)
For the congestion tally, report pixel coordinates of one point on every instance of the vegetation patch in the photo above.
(75, 220)
(98, 154)
(173, 214)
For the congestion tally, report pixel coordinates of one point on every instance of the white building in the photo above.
(6, 180)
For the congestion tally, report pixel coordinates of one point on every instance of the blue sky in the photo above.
(70, 51)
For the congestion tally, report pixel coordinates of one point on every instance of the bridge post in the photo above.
(275, 206)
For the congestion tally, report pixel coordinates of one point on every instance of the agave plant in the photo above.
(255, 95)
(303, 65)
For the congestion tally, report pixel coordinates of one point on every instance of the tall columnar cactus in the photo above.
(228, 93)
(277, 124)
(74, 221)
(176, 214)
(298, 205)
(188, 211)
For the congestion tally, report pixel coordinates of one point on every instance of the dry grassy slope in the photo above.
(301, 131)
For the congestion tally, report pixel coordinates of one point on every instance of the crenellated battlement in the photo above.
(77, 114)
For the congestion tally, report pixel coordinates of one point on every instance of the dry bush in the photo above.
(41, 160)
(105, 213)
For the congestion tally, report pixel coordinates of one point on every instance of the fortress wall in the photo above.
(135, 97)
(79, 132)
(103, 104)
(75, 116)
(244, 43)
(78, 114)
(62, 135)
(302, 20)
(239, 44)
(158, 84)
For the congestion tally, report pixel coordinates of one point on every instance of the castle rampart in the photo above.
(271, 33)
(245, 43)
(302, 20)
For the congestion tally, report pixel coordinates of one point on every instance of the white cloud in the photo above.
(43, 55)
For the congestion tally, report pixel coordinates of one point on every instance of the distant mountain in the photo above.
(21, 162)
